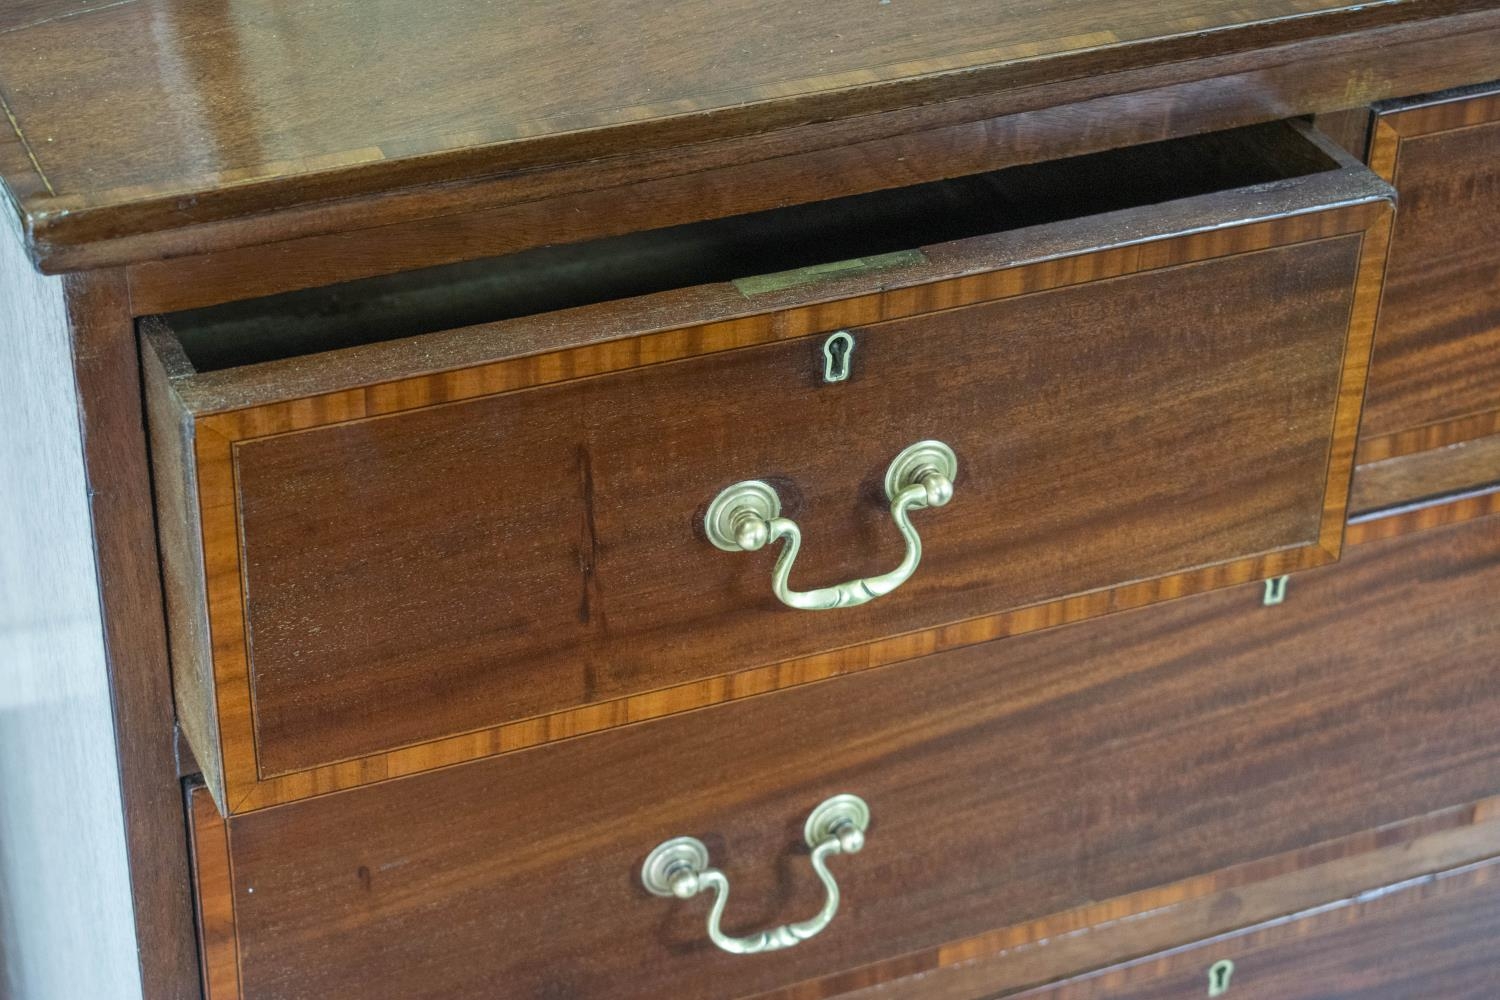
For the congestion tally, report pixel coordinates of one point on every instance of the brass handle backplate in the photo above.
(679, 867)
(747, 516)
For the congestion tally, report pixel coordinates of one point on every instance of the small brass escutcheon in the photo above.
(837, 351)
(1218, 977)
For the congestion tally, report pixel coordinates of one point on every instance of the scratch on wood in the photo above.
(30, 153)
(588, 550)
(67, 15)
(588, 561)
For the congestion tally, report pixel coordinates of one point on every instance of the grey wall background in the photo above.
(67, 929)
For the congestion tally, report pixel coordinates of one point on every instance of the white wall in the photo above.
(67, 928)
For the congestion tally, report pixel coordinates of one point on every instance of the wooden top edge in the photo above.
(202, 128)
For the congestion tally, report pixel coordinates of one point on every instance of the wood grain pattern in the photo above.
(825, 160)
(213, 888)
(1427, 437)
(1099, 934)
(184, 592)
(1167, 726)
(1429, 936)
(1061, 944)
(1350, 128)
(274, 751)
(106, 366)
(1458, 468)
(1422, 516)
(24, 13)
(392, 597)
(1435, 377)
(285, 121)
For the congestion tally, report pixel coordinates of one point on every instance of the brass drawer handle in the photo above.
(747, 516)
(679, 867)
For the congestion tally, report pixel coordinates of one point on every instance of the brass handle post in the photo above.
(747, 516)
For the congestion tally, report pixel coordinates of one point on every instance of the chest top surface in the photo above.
(129, 117)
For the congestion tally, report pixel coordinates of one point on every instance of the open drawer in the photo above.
(420, 520)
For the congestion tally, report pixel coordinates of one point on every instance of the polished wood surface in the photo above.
(134, 119)
(1349, 127)
(382, 568)
(179, 529)
(1167, 726)
(1435, 377)
(200, 152)
(1426, 937)
(1037, 951)
(393, 597)
(106, 367)
(1100, 934)
(213, 887)
(1458, 468)
(1429, 436)
(1422, 516)
(828, 160)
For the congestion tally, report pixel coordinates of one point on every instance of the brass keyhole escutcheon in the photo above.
(1218, 977)
(836, 351)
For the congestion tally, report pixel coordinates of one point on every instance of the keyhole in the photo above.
(1218, 977)
(836, 351)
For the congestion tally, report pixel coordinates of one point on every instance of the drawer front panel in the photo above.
(1435, 378)
(1104, 432)
(1007, 781)
(1431, 937)
(423, 569)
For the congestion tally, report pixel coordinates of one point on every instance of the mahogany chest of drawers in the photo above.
(1015, 494)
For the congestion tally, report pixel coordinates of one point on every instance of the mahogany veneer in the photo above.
(1435, 378)
(479, 568)
(434, 315)
(1008, 781)
(151, 128)
(1408, 940)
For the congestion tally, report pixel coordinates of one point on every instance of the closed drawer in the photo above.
(1007, 781)
(1430, 937)
(1435, 379)
(406, 554)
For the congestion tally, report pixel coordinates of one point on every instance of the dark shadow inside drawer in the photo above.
(450, 545)
(754, 249)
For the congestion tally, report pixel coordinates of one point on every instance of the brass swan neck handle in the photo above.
(747, 516)
(679, 867)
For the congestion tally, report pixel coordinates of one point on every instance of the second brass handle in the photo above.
(747, 516)
(679, 867)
